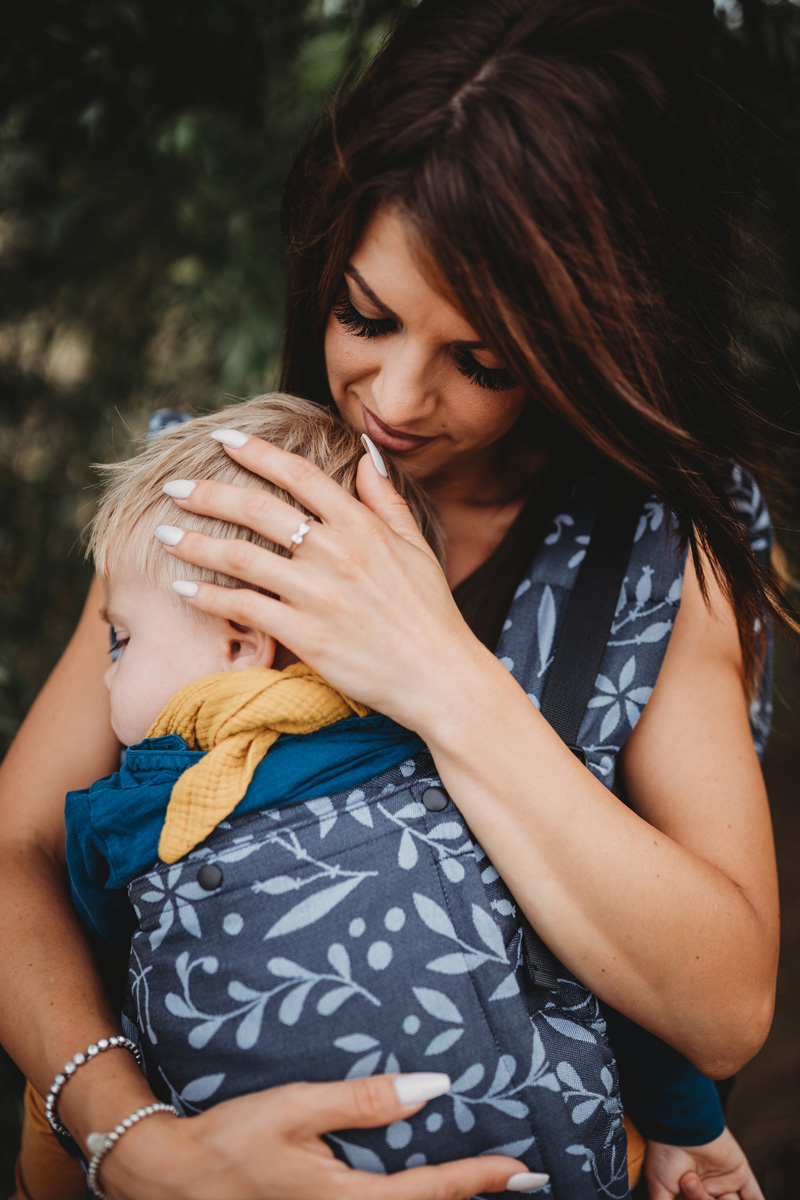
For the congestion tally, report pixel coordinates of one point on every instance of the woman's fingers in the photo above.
(231, 556)
(451, 1181)
(275, 521)
(251, 508)
(378, 494)
(312, 488)
(362, 1103)
(352, 593)
(300, 478)
(269, 1146)
(381, 1100)
(242, 605)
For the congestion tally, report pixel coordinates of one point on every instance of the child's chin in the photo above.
(126, 734)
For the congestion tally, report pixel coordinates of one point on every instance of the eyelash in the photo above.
(493, 379)
(361, 326)
(117, 644)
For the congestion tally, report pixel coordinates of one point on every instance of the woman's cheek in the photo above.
(334, 356)
(349, 358)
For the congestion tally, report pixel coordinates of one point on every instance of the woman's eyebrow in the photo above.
(368, 292)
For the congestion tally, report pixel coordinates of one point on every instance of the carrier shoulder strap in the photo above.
(579, 653)
(584, 634)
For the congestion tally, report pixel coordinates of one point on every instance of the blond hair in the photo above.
(134, 503)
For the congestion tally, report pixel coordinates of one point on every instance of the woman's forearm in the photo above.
(659, 932)
(52, 1003)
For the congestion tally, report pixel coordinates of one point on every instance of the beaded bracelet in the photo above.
(110, 1043)
(99, 1144)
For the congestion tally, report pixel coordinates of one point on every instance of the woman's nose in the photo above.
(403, 393)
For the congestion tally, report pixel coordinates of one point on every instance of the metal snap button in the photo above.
(209, 877)
(435, 799)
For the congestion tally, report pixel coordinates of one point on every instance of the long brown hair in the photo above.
(560, 173)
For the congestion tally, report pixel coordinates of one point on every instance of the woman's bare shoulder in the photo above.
(690, 767)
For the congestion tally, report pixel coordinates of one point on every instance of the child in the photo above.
(205, 761)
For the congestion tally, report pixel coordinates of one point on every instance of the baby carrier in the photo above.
(366, 931)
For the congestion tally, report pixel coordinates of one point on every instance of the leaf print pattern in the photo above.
(651, 519)
(750, 505)
(296, 985)
(313, 908)
(360, 933)
(644, 617)
(562, 521)
(546, 627)
(614, 697)
(459, 963)
(361, 973)
(439, 839)
(174, 900)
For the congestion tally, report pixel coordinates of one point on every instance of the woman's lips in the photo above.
(391, 439)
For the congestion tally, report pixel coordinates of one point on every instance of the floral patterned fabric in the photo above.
(363, 932)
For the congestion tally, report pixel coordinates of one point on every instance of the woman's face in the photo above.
(407, 369)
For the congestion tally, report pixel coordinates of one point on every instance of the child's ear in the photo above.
(249, 648)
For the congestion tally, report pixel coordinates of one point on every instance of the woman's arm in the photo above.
(670, 915)
(261, 1147)
(52, 1002)
(66, 741)
(670, 912)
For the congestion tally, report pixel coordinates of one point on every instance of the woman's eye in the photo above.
(349, 316)
(118, 644)
(494, 379)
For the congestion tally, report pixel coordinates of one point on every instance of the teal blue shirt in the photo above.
(113, 827)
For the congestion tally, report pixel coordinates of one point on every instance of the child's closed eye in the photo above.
(118, 643)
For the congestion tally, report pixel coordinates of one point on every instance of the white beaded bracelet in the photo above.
(99, 1144)
(110, 1043)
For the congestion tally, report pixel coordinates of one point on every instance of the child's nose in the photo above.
(109, 675)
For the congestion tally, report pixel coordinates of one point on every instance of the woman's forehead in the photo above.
(391, 268)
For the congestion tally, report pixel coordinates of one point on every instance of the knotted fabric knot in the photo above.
(236, 717)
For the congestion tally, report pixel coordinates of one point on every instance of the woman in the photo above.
(506, 255)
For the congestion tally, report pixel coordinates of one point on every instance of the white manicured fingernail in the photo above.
(170, 535)
(184, 588)
(230, 437)
(179, 489)
(527, 1181)
(375, 454)
(420, 1086)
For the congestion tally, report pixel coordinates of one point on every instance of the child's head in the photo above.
(164, 643)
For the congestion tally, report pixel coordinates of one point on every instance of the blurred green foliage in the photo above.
(143, 147)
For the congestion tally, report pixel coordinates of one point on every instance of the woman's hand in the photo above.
(268, 1146)
(363, 599)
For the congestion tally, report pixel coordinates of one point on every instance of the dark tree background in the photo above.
(143, 146)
